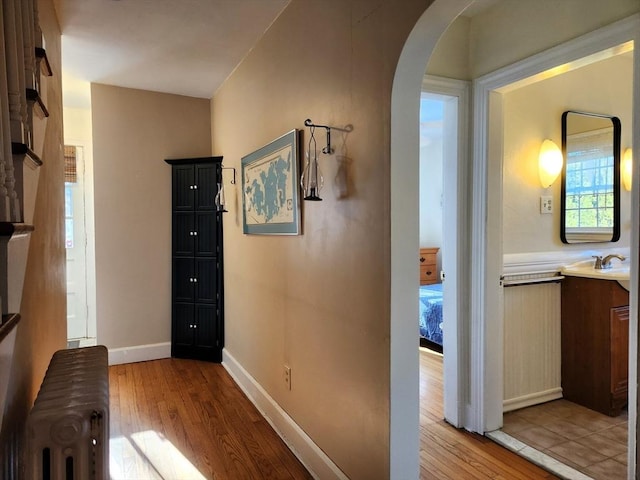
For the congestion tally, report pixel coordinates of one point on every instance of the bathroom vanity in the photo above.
(595, 342)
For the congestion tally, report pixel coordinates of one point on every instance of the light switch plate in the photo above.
(546, 204)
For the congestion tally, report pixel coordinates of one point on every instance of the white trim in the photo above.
(538, 262)
(485, 397)
(139, 353)
(404, 415)
(312, 457)
(455, 178)
(531, 399)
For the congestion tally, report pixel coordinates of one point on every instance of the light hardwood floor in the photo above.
(184, 419)
(176, 419)
(447, 453)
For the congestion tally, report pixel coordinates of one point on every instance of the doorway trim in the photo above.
(455, 231)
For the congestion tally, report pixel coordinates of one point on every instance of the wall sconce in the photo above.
(311, 179)
(626, 167)
(220, 201)
(549, 163)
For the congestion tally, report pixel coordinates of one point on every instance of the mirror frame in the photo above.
(617, 128)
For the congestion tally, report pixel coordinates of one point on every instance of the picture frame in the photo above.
(270, 189)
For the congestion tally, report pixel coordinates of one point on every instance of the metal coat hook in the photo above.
(222, 167)
(328, 149)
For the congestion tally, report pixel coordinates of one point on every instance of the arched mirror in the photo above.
(590, 200)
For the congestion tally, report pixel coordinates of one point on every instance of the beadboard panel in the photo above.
(531, 344)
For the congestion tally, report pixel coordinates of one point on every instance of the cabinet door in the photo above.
(206, 320)
(619, 351)
(184, 233)
(183, 183)
(206, 287)
(182, 329)
(207, 186)
(207, 234)
(184, 279)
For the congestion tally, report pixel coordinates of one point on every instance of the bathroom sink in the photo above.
(619, 271)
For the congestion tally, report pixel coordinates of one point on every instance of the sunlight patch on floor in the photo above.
(151, 456)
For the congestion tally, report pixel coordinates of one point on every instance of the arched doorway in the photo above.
(474, 400)
(404, 401)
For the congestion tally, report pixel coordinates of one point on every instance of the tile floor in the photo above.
(587, 441)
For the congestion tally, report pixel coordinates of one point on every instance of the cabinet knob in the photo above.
(195, 187)
(421, 259)
(429, 272)
(195, 280)
(190, 187)
(195, 234)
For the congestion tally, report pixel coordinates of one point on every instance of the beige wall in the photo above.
(532, 114)
(451, 57)
(42, 329)
(133, 132)
(319, 302)
(514, 30)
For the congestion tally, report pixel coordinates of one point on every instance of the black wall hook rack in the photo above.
(222, 167)
(328, 149)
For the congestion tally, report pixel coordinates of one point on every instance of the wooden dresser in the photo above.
(428, 271)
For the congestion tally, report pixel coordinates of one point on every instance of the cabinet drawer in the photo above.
(428, 274)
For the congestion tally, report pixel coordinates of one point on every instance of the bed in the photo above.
(430, 319)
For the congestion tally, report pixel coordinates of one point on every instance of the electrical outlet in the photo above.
(287, 376)
(546, 204)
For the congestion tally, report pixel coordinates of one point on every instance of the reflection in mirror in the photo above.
(590, 200)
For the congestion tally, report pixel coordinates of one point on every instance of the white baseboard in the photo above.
(139, 353)
(312, 457)
(531, 399)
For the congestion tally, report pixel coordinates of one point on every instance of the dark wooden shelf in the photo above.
(10, 229)
(9, 322)
(22, 149)
(45, 66)
(34, 97)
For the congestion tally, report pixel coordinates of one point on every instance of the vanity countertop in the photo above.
(619, 271)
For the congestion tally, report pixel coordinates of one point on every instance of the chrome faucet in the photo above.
(605, 263)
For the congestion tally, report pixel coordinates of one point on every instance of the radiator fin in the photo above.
(68, 426)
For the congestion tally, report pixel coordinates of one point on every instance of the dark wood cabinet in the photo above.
(595, 343)
(197, 325)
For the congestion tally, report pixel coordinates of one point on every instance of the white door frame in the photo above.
(487, 354)
(455, 234)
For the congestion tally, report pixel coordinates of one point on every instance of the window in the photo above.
(589, 181)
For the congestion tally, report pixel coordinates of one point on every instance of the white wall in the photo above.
(532, 114)
(431, 181)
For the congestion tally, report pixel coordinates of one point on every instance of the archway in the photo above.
(404, 396)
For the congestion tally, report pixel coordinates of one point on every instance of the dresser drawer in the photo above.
(428, 262)
(428, 274)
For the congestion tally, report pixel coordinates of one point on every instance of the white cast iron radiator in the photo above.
(68, 427)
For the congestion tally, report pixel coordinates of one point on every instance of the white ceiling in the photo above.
(186, 47)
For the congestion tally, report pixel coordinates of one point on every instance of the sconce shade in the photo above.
(549, 163)
(626, 167)
(220, 200)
